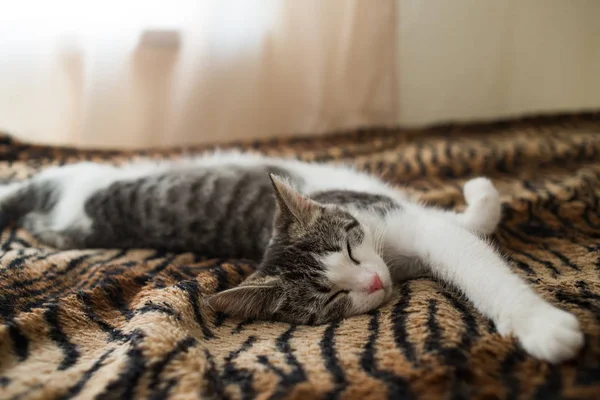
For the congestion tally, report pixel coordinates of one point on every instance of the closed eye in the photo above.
(354, 260)
(335, 295)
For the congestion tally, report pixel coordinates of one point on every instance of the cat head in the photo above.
(321, 265)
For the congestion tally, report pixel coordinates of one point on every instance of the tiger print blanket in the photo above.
(121, 324)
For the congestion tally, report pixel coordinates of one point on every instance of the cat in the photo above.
(331, 241)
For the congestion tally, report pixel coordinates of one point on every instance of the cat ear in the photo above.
(290, 203)
(250, 300)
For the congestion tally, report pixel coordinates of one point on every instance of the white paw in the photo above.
(484, 208)
(546, 333)
(480, 189)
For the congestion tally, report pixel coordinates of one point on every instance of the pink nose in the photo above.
(376, 284)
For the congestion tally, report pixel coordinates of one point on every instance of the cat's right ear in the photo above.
(251, 300)
(290, 203)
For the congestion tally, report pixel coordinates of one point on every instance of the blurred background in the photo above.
(148, 73)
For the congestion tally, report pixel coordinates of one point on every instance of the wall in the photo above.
(470, 59)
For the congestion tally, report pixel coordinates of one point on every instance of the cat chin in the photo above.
(364, 302)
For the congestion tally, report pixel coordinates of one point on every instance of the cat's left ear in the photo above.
(291, 204)
(257, 300)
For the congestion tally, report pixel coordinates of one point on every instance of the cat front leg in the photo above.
(457, 256)
(484, 209)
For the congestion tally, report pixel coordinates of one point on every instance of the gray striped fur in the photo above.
(217, 211)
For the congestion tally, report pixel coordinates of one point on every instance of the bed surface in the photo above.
(118, 324)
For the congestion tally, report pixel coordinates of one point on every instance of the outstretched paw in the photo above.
(546, 333)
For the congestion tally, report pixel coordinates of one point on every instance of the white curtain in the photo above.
(146, 73)
(142, 73)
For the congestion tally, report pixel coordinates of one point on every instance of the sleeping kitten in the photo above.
(332, 241)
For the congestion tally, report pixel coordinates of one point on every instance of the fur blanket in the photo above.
(120, 324)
